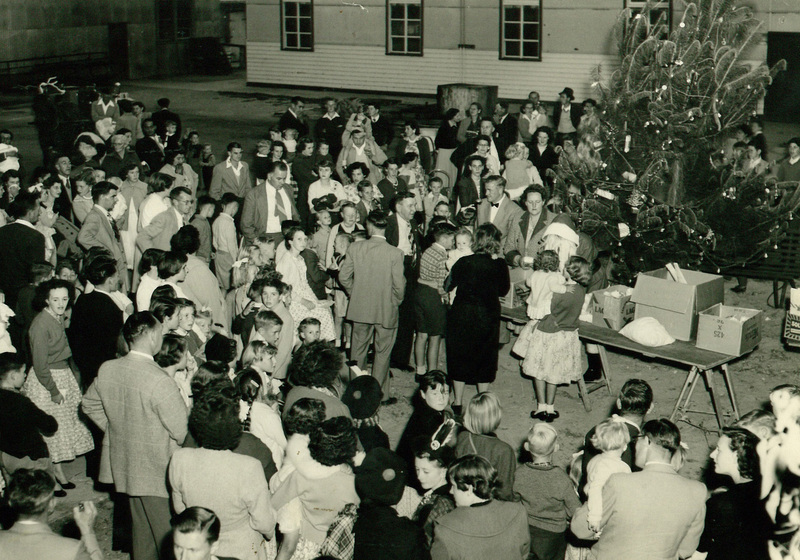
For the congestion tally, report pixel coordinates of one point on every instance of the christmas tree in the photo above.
(655, 187)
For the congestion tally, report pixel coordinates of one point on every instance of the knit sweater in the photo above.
(548, 496)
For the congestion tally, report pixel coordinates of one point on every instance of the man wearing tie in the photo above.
(100, 230)
(150, 149)
(366, 191)
(63, 206)
(498, 209)
(269, 204)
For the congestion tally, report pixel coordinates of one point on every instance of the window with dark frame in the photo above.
(297, 25)
(521, 29)
(660, 7)
(404, 27)
(174, 20)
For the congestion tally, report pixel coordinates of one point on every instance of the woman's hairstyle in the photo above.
(743, 442)
(163, 308)
(164, 291)
(278, 144)
(515, 150)
(184, 303)
(173, 348)
(198, 519)
(315, 365)
(125, 169)
(547, 130)
(43, 292)
(534, 188)
(256, 350)
(476, 472)
(248, 384)
(579, 270)
(30, 491)
(159, 182)
(432, 379)
(409, 157)
(663, 433)
(478, 106)
(356, 165)
(288, 236)
(171, 264)
(451, 113)
(483, 413)
(304, 416)
(186, 240)
(414, 126)
(333, 442)
(214, 419)
(437, 448)
(304, 143)
(209, 375)
(546, 260)
(152, 257)
(611, 434)
(487, 239)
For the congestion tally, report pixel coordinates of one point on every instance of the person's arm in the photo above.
(378, 155)
(92, 406)
(259, 506)
(248, 221)
(39, 348)
(85, 513)
(284, 354)
(398, 280)
(692, 538)
(523, 128)
(463, 126)
(556, 284)
(146, 236)
(43, 422)
(347, 272)
(340, 162)
(87, 237)
(215, 190)
(533, 175)
(438, 548)
(171, 410)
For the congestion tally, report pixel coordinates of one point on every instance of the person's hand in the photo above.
(252, 306)
(58, 398)
(85, 513)
(525, 264)
(308, 304)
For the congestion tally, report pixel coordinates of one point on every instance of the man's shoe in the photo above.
(59, 494)
(739, 289)
(389, 402)
(67, 485)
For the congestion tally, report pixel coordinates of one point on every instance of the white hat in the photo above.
(563, 231)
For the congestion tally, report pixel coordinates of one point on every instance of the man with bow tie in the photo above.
(566, 117)
(100, 230)
(498, 209)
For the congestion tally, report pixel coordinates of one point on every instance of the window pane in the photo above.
(530, 50)
(398, 45)
(398, 27)
(305, 25)
(512, 48)
(511, 31)
(291, 25)
(305, 10)
(290, 8)
(513, 13)
(414, 11)
(305, 41)
(530, 13)
(414, 29)
(415, 45)
(398, 11)
(291, 40)
(530, 31)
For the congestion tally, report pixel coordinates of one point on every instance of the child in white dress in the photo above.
(545, 281)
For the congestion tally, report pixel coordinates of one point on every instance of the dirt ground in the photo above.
(224, 110)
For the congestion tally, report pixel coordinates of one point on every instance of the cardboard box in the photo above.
(516, 296)
(612, 307)
(729, 330)
(676, 305)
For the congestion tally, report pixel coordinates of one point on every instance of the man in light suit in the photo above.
(21, 245)
(231, 175)
(30, 497)
(372, 272)
(653, 514)
(498, 209)
(269, 204)
(144, 418)
(99, 229)
(159, 232)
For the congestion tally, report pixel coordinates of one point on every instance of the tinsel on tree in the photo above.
(650, 191)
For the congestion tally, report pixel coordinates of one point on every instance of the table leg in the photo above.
(683, 398)
(729, 385)
(606, 368)
(584, 394)
(709, 379)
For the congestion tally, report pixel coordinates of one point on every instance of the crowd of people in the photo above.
(218, 338)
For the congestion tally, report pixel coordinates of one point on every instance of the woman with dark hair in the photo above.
(313, 372)
(470, 126)
(432, 457)
(473, 322)
(158, 188)
(176, 167)
(542, 153)
(304, 302)
(524, 241)
(304, 173)
(737, 526)
(481, 526)
(356, 172)
(232, 485)
(148, 277)
(52, 385)
(309, 499)
(299, 421)
(431, 409)
(200, 285)
(418, 144)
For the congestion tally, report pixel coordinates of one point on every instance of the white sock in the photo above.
(550, 408)
(541, 407)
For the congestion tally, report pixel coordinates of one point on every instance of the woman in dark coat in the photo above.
(542, 153)
(473, 322)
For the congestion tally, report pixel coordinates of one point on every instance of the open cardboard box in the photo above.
(676, 305)
(610, 309)
(729, 330)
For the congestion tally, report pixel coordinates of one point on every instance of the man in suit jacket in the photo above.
(498, 209)
(372, 272)
(294, 118)
(30, 497)
(150, 149)
(63, 205)
(231, 175)
(403, 232)
(100, 230)
(566, 117)
(144, 418)
(382, 129)
(163, 115)
(21, 245)
(269, 204)
(653, 514)
(159, 232)
(507, 130)
(330, 127)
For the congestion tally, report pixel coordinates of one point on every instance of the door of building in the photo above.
(118, 50)
(782, 103)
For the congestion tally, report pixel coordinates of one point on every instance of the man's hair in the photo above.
(233, 145)
(171, 264)
(159, 182)
(295, 100)
(30, 491)
(308, 321)
(377, 219)
(9, 362)
(24, 203)
(38, 271)
(266, 318)
(163, 102)
(487, 119)
(206, 200)
(663, 433)
(101, 189)
(274, 166)
(198, 519)
(374, 104)
(138, 325)
(503, 104)
(635, 397)
(177, 191)
(495, 179)
(186, 240)
(229, 198)
(399, 197)
(100, 269)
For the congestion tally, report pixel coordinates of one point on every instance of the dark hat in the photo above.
(363, 396)
(381, 477)
(568, 92)
(220, 348)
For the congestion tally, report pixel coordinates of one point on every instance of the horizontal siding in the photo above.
(366, 68)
